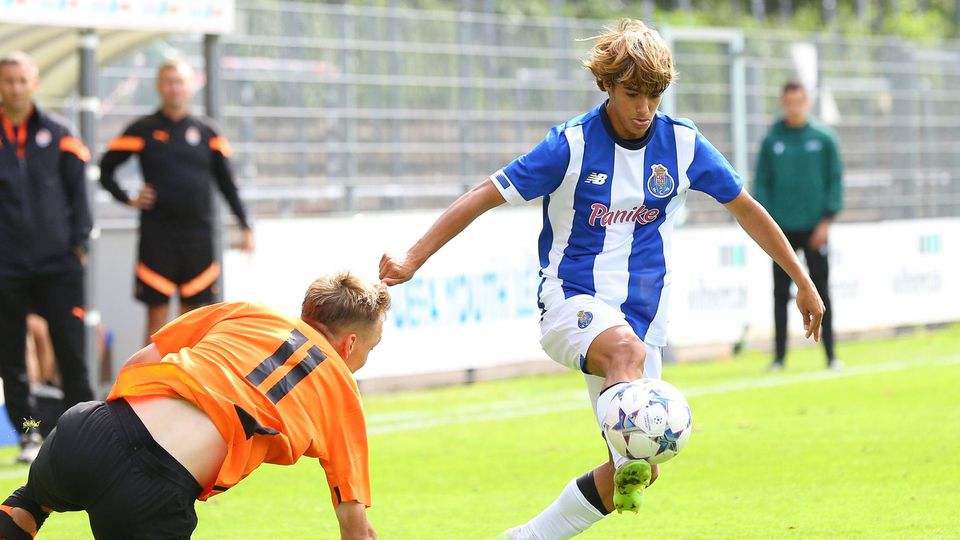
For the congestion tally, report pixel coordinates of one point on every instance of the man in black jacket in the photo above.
(181, 157)
(44, 226)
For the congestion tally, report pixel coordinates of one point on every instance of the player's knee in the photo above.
(628, 355)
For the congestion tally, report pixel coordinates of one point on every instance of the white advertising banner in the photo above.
(473, 304)
(207, 16)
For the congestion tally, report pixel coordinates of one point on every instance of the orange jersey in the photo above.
(273, 386)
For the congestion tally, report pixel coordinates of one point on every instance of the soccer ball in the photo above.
(648, 419)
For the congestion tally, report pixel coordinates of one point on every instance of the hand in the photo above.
(145, 199)
(81, 255)
(811, 309)
(353, 522)
(396, 270)
(249, 242)
(820, 235)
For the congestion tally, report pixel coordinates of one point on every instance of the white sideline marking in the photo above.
(20, 472)
(567, 401)
(378, 424)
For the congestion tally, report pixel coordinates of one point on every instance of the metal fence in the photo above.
(335, 108)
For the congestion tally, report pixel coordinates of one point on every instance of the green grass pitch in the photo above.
(872, 452)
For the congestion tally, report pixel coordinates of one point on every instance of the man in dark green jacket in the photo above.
(799, 181)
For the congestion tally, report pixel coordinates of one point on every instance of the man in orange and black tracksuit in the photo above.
(181, 156)
(44, 226)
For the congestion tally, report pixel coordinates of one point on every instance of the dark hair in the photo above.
(793, 86)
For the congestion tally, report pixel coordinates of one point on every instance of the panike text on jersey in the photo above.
(609, 207)
(274, 387)
(181, 159)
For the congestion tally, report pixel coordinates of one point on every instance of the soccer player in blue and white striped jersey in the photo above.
(612, 181)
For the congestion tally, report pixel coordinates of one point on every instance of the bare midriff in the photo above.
(185, 432)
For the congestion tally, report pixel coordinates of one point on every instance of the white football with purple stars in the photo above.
(648, 419)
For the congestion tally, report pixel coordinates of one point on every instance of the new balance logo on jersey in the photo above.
(596, 178)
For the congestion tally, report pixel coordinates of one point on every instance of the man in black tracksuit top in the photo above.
(44, 226)
(181, 156)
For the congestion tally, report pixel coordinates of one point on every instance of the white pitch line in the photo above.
(14, 473)
(782, 380)
(568, 401)
(573, 400)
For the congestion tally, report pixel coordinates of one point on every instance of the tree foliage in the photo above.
(921, 20)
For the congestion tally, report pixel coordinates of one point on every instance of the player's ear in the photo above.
(351, 340)
(344, 344)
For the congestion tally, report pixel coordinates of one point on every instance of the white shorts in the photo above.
(568, 328)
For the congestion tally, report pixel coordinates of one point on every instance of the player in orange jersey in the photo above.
(219, 391)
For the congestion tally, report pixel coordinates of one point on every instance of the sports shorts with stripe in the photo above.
(171, 264)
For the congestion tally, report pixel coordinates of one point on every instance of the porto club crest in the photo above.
(584, 318)
(660, 184)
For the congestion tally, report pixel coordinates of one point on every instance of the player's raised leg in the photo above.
(618, 483)
(615, 358)
(617, 355)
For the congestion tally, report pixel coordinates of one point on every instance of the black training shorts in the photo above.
(171, 262)
(101, 458)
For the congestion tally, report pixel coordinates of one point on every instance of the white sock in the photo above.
(566, 517)
(603, 403)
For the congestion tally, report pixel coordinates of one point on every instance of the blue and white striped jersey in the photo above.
(609, 207)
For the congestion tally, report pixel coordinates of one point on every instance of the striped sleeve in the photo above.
(74, 146)
(712, 174)
(536, 173)
(119, 150)
(220, 144)
(126, 143)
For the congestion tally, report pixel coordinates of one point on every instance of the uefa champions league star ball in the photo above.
(648, 419)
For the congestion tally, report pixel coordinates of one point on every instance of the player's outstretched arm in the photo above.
(755, 220)
(398, 269)
(354, 524)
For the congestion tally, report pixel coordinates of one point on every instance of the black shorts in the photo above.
(101, 458)
(176, 264)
